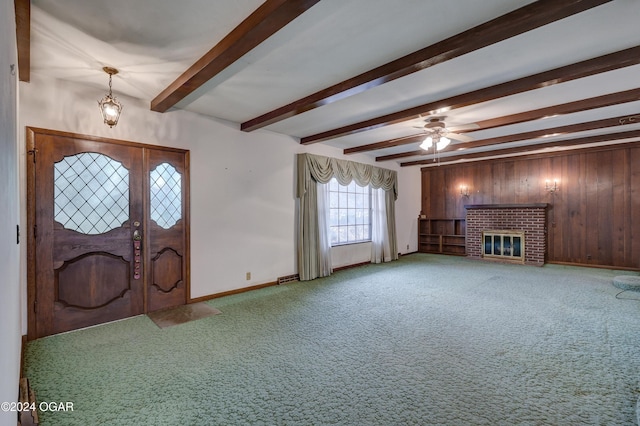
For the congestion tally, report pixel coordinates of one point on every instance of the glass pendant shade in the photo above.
(427, 143)
(443, 143)
(110, 109)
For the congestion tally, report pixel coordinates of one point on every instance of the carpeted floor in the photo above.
(425, 340)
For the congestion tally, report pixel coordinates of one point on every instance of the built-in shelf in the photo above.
(442, 235)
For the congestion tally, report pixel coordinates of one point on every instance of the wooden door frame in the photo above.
(31, 158)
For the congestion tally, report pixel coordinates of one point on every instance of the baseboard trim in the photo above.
(588, 265)
(354, 265)
(259, 286)
(231, 292)
(269, 284)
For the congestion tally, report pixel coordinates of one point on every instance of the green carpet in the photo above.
(425, 340)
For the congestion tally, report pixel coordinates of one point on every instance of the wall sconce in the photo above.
(109, 106)
(464, 191)
(551, 188)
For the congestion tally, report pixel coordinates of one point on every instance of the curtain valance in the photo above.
(321, 169)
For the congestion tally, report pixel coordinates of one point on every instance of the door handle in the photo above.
(137, 254)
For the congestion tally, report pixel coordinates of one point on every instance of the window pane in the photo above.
(351, 233)
(166, 200)
(91, 193)
(351, 217)
(334, 235)
(349, 212)
(343, 200)
(351, 200)
(333, 218)
(333, 200)
(343, 216)
(342, 232)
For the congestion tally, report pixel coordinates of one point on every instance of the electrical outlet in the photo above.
(407, 246)
(248, 276)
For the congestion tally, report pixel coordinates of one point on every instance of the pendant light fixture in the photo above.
(109, 106)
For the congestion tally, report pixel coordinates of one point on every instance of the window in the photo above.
(349, 213)
(91, 193)
(166, 195)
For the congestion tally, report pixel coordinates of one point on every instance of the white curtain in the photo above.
(314, 169)
(324, 237)
(380, 238)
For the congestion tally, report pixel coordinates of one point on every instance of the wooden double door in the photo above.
(109, 230)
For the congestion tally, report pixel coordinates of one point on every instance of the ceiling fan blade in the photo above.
(459, 137)
(465, 127)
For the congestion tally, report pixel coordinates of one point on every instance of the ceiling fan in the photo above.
(439, 135)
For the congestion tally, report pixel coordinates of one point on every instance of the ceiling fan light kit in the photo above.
(439, 135)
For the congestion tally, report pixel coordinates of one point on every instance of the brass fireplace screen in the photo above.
(506, 245)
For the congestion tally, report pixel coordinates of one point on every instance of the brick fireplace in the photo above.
(529, 219)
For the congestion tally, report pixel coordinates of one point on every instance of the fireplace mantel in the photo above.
(507, 206)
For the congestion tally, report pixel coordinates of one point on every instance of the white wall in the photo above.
(408, 207)
(242, 184)
(10, 340)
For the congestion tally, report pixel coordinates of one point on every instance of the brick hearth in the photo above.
(529, 218)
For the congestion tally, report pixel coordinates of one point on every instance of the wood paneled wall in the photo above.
(593, 218)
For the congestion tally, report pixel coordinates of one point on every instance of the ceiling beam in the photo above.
(527, 18)
(537, 114)
(609, 62)
(535, 134)
(523, 150)
(561, 109)
(265, 21)
(23, 38)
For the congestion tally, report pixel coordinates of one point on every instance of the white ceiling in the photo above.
(152, 42)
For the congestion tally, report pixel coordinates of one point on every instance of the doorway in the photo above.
(108, 226)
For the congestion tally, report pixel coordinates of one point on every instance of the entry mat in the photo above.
(180, 314)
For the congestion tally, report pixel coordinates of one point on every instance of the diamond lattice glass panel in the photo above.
(91, 193)
(166, 195)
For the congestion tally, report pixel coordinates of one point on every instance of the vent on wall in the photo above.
(288, 279)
